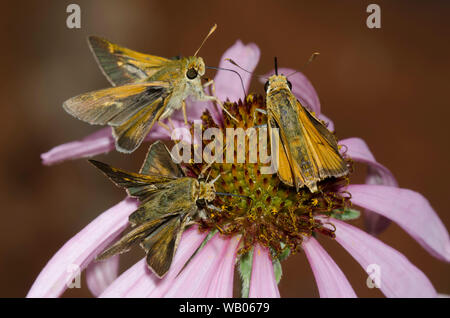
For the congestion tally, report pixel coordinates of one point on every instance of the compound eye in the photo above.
(289, 85)
(266, 86)
(191, 73)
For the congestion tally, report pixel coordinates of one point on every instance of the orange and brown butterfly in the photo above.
(308, 151)
(147, 90)
(169, 201)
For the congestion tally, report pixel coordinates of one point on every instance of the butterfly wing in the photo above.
(171, 198)
(123, 66)
(136, 235)
(131, 110)
(137, 185)
(160, 161)
(130, 134)
(114, 106)
(311, 152)
(161, 245)
(283, 166)
(322, 145)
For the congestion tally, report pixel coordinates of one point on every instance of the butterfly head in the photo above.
(206, 191)
(276, 82)
(194, 68)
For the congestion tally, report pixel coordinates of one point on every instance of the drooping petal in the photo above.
(410, 210)
(139, 281)
(99, 275)
(358, 150)
(262, 282)
(196, 278)
(301, 88)
(100, 142)
(80, 250)
(390, 270)
(222, 283)
(94, 144)
(330, 280)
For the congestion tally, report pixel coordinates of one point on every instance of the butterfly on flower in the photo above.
(147, 89)
(308, 151)
(169, 202)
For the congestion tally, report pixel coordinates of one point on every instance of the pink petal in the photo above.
(222, 283)
(80, 250)
(228, 84)
(330, 280)
(139, 281)
(301, 88)
(358, 150)
(408, 209)
(135, 282)
(198, 276)
(398, 276)
(99, 275)
(262, 282)
(99, 142)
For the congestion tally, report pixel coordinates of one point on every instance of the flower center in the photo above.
(261, 208)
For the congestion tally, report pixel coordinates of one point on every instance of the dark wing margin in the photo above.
(160, 161)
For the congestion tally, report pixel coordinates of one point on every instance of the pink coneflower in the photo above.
(209, 273)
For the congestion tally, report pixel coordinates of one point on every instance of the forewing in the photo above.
(121, 65)
(135, 235)
(159, 161)
(162, 244)
(322, 146)
(114, 106)
(137, 185)
(284, 167)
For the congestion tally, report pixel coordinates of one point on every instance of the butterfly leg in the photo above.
(184, 113)
(215, 99)
(165, 126)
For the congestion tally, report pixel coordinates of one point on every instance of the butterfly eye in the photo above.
(191, 73)
(266, 86)
(289, 85)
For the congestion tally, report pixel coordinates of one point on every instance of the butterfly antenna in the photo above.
(311, 58)
(216, 178)
(230, 70)
(204, 169)
(232, 195)
(207, 177)
(276, 65)
(207, 36)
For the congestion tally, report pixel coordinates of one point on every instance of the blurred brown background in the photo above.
(389, 86)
